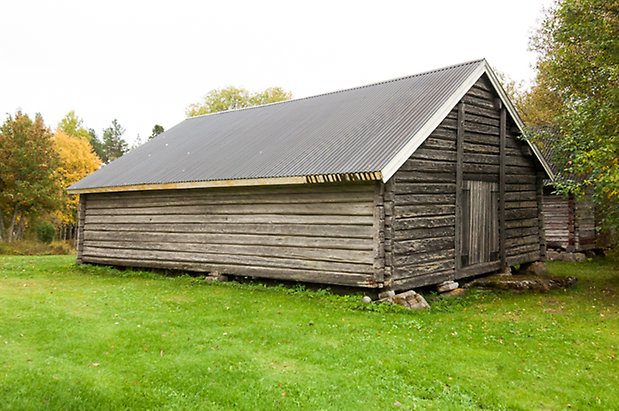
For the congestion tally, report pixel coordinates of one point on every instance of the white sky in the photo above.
(144, 62)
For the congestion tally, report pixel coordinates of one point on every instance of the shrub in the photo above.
(46, 232)
(31, 247)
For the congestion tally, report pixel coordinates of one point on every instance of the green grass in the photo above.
(32, 247)
(97, 338)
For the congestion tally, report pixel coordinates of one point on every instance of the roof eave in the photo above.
(514, 114)
(242, 182)
(413, 144)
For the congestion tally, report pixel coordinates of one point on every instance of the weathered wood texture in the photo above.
(81, 215)
(584, 225)
(480, 222)
(516, 171)
(378, 230)
(502, 169)
(539, 195)
(569, 223)
(428, 195)
(328, 233)
(401, 234)
(524, 242)
(423, 192)
(558, 220)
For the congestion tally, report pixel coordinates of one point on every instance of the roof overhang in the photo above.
(245, 182)
(413, 144)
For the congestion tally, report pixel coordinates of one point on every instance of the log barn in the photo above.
(394, 185)
(569, 222)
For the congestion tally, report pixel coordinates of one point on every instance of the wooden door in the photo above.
(479, 241)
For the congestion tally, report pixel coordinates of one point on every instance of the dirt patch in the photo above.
(523, 282)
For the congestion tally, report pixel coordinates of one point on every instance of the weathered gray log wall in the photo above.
(476, 142)
(406, 233)
(325, 233)
(420, 212)
(523, 205)
(569, 223)
(584, 222)
(559, 221)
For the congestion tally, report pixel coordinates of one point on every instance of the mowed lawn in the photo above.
(98, 338)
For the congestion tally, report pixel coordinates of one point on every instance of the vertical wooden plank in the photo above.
(540, 215)
(494, 223)
(389, 199)
(81, 219)
(459, 187)
(379, 233)
(465, 230)
(502, 160)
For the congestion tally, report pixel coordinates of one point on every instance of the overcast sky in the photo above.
(145, 62)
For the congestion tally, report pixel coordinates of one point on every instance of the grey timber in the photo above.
(395, 185)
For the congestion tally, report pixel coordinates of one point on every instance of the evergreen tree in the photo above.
(114, 146)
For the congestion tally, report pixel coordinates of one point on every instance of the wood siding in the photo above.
(425, 197)
(569, 223)
(480, 223)
(422, 199)
(558, 220)
(585, 237)
(325, 233)
(403, 234)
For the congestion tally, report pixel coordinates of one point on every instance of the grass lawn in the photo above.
(97, 338)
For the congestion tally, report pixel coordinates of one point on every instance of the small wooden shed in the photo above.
(394, 185)
(569, 222)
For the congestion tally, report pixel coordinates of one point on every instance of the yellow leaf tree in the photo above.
(77, 160)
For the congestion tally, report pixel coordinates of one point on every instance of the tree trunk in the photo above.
(9, 233)
(1, 227)
(21, 227)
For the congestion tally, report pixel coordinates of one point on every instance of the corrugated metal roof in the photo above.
(350, 131)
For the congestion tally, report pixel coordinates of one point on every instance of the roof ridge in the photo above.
(342, 90)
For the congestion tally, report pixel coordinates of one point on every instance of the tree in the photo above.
(232, 98)
(72, 125)
(157, 129)
(97, 144)
(136, 143)
(270, 95)
(578, 46)
(76, 159)
(513, 88)
(114, 146)
(28, 162)
(540, 108)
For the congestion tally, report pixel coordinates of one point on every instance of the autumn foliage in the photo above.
(36, 167)
(76, 159)
(28, 164)
(576, 98)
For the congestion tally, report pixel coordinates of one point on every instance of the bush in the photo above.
(46, 232)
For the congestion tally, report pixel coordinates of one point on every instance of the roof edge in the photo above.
(242, 182)
(416, 140)
(344, 90)
(514, 114)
